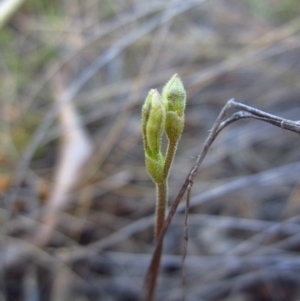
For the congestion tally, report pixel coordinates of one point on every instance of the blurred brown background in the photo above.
(76, 202)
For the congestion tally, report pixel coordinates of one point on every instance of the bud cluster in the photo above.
(159, 114)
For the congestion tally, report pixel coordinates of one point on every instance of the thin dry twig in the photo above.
(246, 112)
(185, 237)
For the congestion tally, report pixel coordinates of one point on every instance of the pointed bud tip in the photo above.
(153, 121)
(174, 95)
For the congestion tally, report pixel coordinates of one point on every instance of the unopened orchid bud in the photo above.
(174, 99)
(153, 124)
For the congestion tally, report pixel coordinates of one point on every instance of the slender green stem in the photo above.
(151, 280)
(161, 204)
(162, 189)
(161, 199)
(161, 114)
(170, 153)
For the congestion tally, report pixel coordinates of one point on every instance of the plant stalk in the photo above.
(170, 153)
(161, 204)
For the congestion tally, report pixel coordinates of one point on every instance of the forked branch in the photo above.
(244, 111)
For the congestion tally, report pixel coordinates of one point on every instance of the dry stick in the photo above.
(246, 112)
(186, 238)
(249, 112)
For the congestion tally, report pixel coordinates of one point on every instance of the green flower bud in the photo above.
(174, 126)
(174, 99)
(153, 123)
(174, 96)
